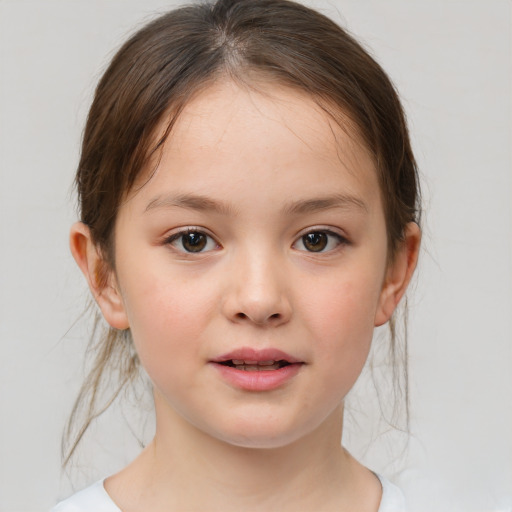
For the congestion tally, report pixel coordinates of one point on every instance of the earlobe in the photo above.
(399, 274)
(100, 277)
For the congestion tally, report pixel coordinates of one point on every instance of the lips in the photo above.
(256, 356)
(257, 369)
(255, 366)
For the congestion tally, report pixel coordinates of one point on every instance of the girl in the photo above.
(249, 206)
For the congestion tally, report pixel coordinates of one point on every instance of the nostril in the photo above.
(244, 316)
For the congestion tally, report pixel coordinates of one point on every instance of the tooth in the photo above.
(251, 362)
(269, 368)
(237, 362)
(257, 367)
(267, 363)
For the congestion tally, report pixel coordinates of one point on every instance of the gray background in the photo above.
(451, 61)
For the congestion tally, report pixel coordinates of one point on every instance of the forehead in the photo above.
(269, 135)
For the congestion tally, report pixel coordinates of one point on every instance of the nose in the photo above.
(258, 293)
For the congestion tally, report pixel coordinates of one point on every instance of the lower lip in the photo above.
(262, 380)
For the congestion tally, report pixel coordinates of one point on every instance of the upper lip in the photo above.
(258, 355)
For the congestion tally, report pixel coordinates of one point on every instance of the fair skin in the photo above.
(262, 229)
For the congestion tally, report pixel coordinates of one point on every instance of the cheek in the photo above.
(167, 317)
(342, 322)
(344, 305)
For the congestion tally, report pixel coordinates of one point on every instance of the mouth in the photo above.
(255, 366)
(257, 369)
(254, 360)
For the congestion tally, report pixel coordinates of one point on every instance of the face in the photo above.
(251, 268)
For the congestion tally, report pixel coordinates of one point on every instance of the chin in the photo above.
(262, 435)
(259, 441)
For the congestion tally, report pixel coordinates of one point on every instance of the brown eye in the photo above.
(192, 242)
(320, 241)
(315, 242)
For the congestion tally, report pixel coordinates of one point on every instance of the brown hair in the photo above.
(159, 69)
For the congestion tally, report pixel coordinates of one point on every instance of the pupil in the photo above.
(315, 242)
(194, 242)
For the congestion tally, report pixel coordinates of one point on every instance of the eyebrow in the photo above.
(342, 201)
(299, 207)
(191, 202)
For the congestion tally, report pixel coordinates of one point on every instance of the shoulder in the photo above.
(393, 499)
(91, 499)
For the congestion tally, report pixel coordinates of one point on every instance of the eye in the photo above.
(319, 241)
(192, 241)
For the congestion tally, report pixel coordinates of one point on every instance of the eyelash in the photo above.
(180, 235)
(330, 235)
(207, 239)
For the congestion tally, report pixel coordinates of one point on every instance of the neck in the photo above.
(188, 469)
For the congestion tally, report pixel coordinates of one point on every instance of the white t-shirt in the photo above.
(96, 499)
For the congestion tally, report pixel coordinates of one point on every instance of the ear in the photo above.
(398, 274)
(99, 275)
